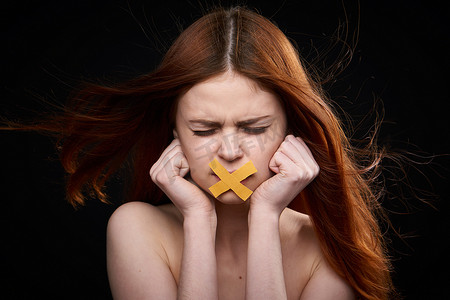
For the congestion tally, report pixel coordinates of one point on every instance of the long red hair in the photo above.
(104, 129)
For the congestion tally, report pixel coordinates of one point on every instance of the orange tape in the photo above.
(232, 181)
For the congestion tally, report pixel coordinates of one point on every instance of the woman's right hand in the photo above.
(168, 174)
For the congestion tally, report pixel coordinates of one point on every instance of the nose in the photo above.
(230, 148)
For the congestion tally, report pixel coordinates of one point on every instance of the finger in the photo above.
(304, 162)
(313, 163)
(298, 156)
(273, 164)
(172, 145)
(282, 148)
(281, 164)
(162, 161)
(176, 166)
(180, 164)
(301, 146)
(300, 143)
(167, 158)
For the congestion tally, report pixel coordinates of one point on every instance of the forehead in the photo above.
(228, 95)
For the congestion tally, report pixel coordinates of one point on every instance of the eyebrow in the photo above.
(217, 124)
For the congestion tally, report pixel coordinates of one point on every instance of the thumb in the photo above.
(274, 164)
(181, 165)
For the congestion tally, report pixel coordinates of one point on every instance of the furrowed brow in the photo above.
(251, 121)
(205, 122)
(217, 124)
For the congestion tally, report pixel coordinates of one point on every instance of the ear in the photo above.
(175, 133)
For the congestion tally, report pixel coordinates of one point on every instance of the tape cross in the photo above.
(232, 181)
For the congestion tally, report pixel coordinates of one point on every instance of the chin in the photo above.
(229, 197)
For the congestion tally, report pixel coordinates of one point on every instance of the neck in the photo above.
(232, 226)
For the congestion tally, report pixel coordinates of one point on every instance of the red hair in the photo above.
(106, 128)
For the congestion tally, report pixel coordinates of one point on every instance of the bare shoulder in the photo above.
(147, 226)
(141, 214)
(303, 252)
(297, 230)
(142, 243)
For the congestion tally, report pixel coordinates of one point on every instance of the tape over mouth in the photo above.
(232, 180)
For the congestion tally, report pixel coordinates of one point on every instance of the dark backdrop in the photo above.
(401, 57)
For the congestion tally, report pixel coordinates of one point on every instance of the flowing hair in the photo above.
(107, 128)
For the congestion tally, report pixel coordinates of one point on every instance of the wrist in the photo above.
(198, 211)
(263, 206)
(264, 214)
(200, 221)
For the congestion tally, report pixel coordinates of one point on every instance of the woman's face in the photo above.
(230, 118)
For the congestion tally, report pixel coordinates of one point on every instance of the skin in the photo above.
(201, 247)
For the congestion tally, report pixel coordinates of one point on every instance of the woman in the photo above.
(231, 81)
(231, 89)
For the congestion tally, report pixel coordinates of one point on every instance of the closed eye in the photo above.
(203, 132)
(255, 130)
(250, 130)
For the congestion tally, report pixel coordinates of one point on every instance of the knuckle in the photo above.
(297, 176)
(317, 170)
(160, 178)
(178, 156)
(279, 154)
(152, 170)
(304, 174)
(311, 174)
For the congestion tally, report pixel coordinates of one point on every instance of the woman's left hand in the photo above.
(294, 168)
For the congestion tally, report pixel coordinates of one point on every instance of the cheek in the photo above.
(198, 154)
(197, 151)
(264, 146)
(262, 155)
(261, 161)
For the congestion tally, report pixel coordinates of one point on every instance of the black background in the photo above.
(52, 251)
